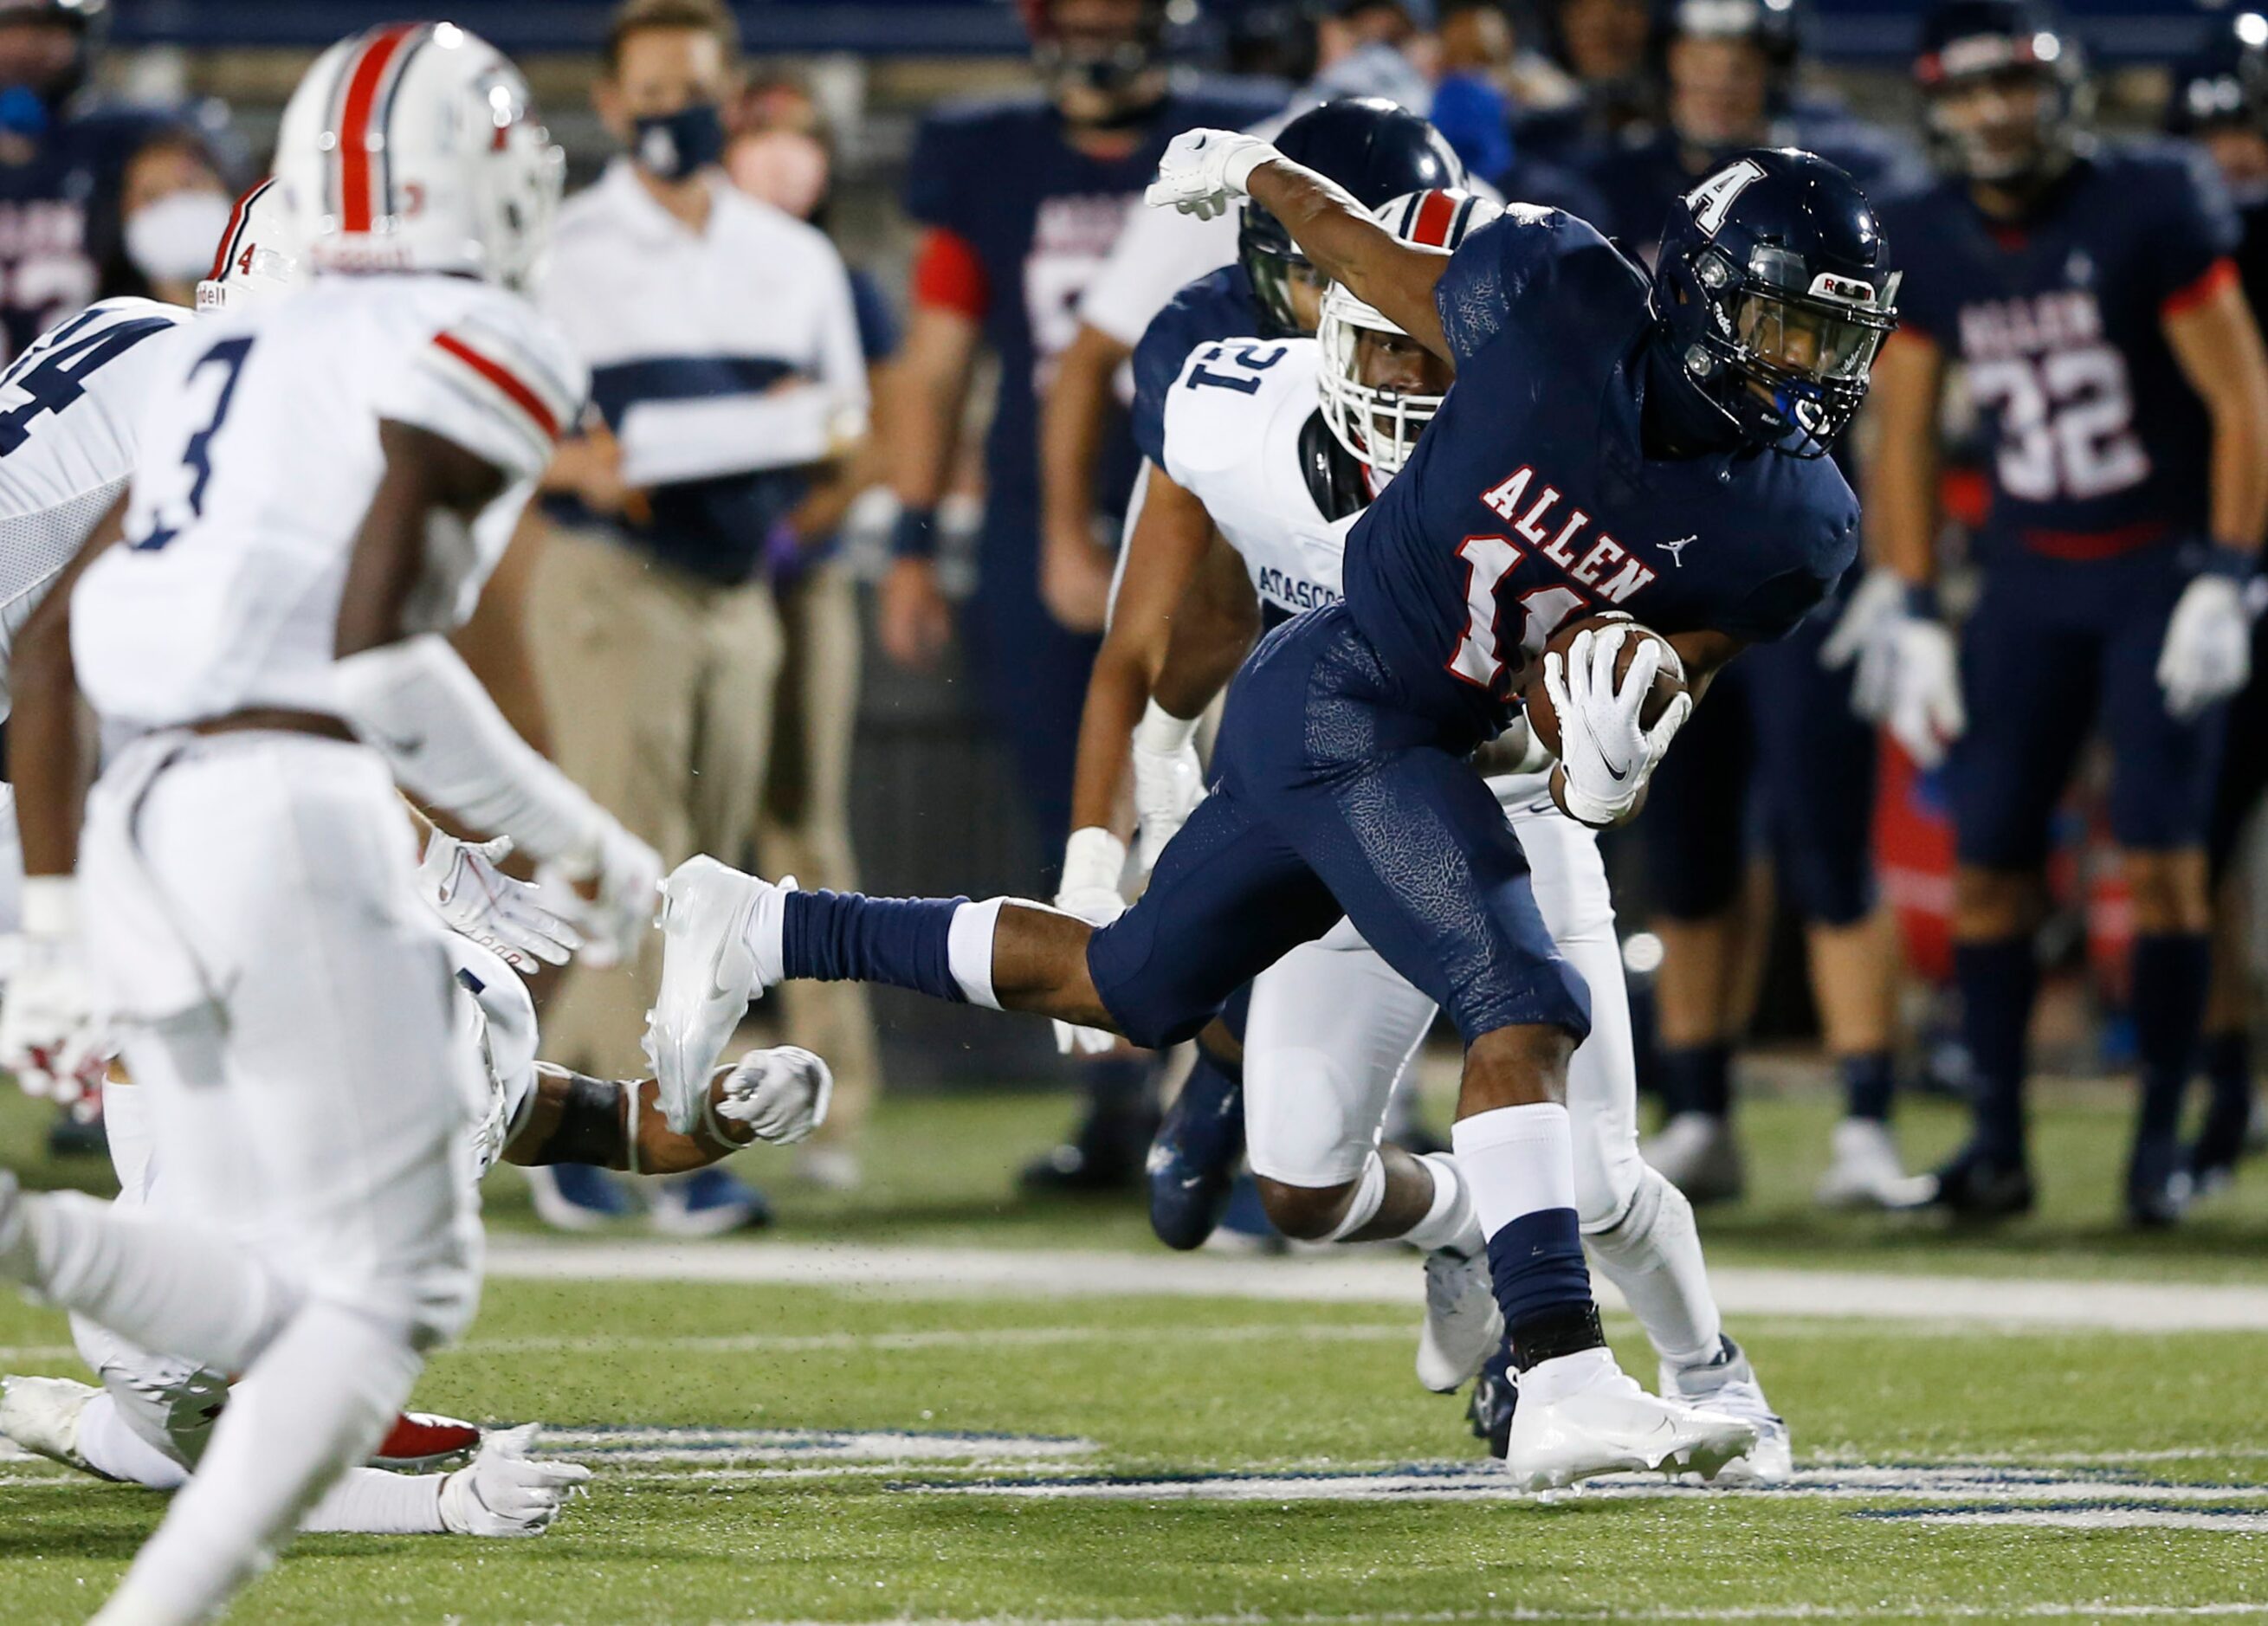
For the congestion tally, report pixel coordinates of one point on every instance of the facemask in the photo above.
(670, 146)
(172, 240)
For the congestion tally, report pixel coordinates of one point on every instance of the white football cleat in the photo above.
(42, 1415)
(505, 1492)
(1462, 1323)
(709, 975)
(1867, 1173)
(1697, 1154)
(1728, 1385)
(1581, 1415)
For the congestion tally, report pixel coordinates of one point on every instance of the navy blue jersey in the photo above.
(1040, 217)
(59, 218)
(1530, 497)
(1219, 305)
(2101, 445)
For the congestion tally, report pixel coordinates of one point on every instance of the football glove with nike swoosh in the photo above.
(1606, 753)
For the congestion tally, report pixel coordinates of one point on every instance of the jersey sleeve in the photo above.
(496, 379)
(1775, 605)
(1158, 359)
(1160, 251)
(1506, 261)
(1214, 412)
(2191, 243)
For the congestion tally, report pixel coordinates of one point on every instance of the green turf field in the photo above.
(1080, 1440)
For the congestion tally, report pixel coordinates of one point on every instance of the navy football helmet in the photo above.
(1376, 150)
(2225, 82)
(1966, 44)
(1773, 291)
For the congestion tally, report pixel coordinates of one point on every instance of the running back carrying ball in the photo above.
(1668, 681)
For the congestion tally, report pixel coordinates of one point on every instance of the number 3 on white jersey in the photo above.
(1488, 561)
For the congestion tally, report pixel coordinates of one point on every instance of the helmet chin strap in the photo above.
(1678, 413)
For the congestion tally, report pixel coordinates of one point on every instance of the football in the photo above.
(1669, 682)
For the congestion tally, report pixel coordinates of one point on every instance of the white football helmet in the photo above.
(415, 147)
(1378, 427)
(258, 259)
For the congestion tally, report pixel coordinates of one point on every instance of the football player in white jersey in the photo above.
(149, 1422)
(1281, 446)
(322, 485)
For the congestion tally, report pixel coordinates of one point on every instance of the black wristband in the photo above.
(590, 1128)
(915, 534)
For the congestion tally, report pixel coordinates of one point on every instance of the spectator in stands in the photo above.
(727, 375)
(176, 207)
(1602, 45)
(782, 154)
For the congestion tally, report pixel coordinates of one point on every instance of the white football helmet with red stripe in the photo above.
(416, 147)
(1381, 426)
(258, 258)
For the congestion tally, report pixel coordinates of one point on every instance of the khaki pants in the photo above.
(658, 687)
(803, 823)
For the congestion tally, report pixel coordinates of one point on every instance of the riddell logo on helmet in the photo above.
(1833, 287)
(362, 254)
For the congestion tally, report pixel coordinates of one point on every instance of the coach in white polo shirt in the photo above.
(726, 364)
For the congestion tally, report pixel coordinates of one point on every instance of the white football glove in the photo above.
(1866, 633)
(2208, 651)
(1204, 172)
(1093, 859)
(1605, 754)
(629, 875)
(1168, 781)
(49, 1037)
(781, 1095)
(502, 1491)
(1926, 713)
(479, 900)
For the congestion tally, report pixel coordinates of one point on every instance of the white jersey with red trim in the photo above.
(1233, 423)
(69, 406)
(260, 455)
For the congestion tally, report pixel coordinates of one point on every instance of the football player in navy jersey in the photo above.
(1781, 740)
(1020, 199)
(1603, 425)
(60, 165)
(2086, 288)
(2219, 100)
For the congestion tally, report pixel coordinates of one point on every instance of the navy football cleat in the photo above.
(1193, 1161)
(1496, 1393)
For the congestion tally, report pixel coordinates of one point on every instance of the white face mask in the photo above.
(173, 240)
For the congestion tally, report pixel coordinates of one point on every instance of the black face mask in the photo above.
(670, 146)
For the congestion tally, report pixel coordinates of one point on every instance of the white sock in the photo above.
(165, 1283)
(370, 1501)
(968, 950)
(1653, 1254)
(113, 1449)
(1516, 1161)
(1450, 1222)
(313, 1406)
(1369, 1196)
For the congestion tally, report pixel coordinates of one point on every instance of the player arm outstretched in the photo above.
(776, 1096)
(2208, 650)
(412, 698)
(933, 377)
(1204, 171)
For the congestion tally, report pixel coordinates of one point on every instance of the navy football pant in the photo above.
(1327, 798)
(1774, 744)
(2244, 759)
(2053, 651)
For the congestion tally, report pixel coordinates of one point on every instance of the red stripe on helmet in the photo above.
(358, 196)
(224, 250)
(1437, 213)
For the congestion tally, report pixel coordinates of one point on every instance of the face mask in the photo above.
(172, 240)
(670, 146)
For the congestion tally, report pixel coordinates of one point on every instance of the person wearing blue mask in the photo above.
(729, 390)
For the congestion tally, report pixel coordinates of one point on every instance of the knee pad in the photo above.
(1654, 1207)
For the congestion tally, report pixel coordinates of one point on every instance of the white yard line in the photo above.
(2082, 1611)
(1839, 1295)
